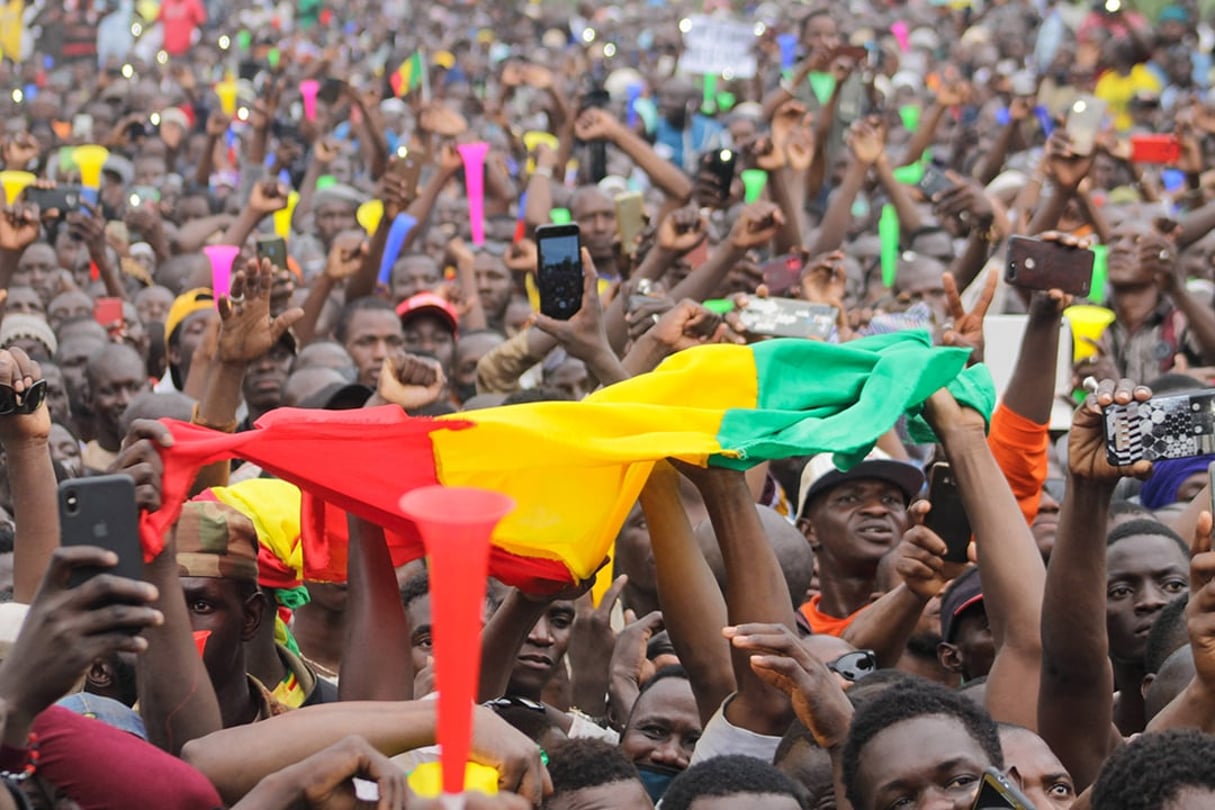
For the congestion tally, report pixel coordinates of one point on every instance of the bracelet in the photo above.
(543, 171)
(32, 756)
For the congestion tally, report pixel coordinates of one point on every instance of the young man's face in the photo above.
(858, 521)
(924, 762)
(1143, 574)
(973, 649)
(373, 336)
(1041, 775)
(542, 652)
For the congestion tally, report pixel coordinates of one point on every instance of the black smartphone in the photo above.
(559, 270)
(997, 792)
(64, 199)
(101, 511)
(721, 162)
(783, 273)
(331, 90)
(1039, 264)
(948, 516)
(273, 248)
(1174, 426)
(934, 182)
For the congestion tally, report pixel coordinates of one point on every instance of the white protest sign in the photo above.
(719, 46)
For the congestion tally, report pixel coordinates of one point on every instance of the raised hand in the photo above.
(411, 382)
(682, 230)
(780, 660)
(246, 329)
(824, 280)
(1200, 610)
(867, 140)
(1086, 456)
(268, 197)
(583, 335)
(31, 419)
(18, 227)
(921, 561)
(966, 330)
(595, 125)
(346, 256)
(17, 151)
(757, 224)
(689, 324)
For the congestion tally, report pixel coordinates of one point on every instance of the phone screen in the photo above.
(559, 276)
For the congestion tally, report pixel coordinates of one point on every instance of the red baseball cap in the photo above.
(432, 303)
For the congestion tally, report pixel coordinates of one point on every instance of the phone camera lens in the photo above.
(72, 502)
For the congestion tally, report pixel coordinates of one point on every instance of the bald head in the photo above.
(789, 545)
(308, 382)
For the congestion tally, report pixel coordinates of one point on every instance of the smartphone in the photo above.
(101, 511)
(409, 168)
(143, 195)
(857, 53)
(64, 199)
(1084, 119)
(1037, 264)
(997, 792)
(721, 163)
(1174, 426)
(331, 90)
(108, 312)
(787, 317)
(934, 182)
(948, 516)
(273, 248)
(783, 273)
(1161, 150)
(630, 219)
(559, 270)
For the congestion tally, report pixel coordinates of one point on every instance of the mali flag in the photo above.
(408, 76)
(576, 468)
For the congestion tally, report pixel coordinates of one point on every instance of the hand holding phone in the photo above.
(559, 270)
(100, 511)
(1042, 264)
(947, 518)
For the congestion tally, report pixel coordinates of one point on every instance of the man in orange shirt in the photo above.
(851, 519)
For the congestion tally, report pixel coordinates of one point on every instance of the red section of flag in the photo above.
(359, 461)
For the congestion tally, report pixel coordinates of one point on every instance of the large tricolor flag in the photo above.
(576, 468)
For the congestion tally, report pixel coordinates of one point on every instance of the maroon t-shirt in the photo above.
(102, 768)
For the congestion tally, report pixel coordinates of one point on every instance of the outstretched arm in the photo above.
(1075, 704)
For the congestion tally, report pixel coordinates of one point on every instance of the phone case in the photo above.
(787, 317)
(108, 312)
(559, 281)
(101, 511)
(1155, 149)
(630, 219)
(1177, 426)
(273, 248)
(1039, 265)
(997, 792)
(1084, 119)
(782, 273)
(947, 518)
(934, 182)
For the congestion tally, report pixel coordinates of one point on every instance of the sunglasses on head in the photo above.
(510, 701)
(854, 666)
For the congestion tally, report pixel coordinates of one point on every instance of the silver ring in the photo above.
(654, 318)
(233, 299)
(1164, 255)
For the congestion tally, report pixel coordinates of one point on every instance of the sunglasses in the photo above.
(854, 666)
(497, 704)
(26, 402)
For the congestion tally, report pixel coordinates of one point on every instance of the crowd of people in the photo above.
(790, 636)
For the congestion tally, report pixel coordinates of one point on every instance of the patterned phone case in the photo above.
(1176, 426)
